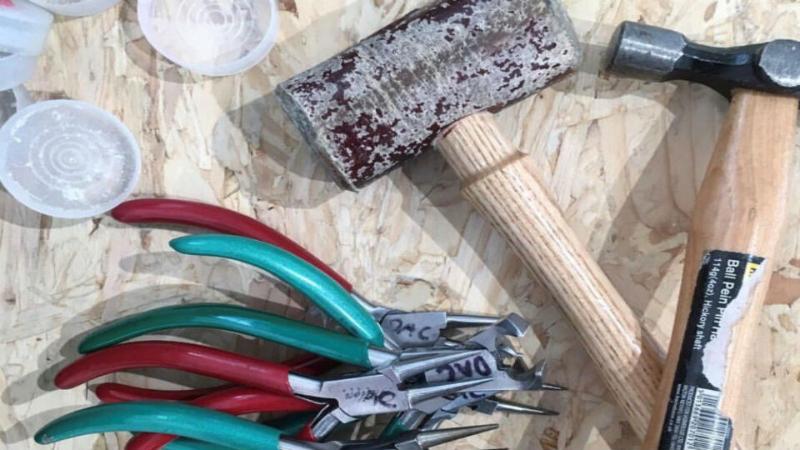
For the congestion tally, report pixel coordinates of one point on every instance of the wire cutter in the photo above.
(220, 429)
(403, 329)
(343, 399)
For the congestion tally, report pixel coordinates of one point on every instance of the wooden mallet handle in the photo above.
(500, 185)
(740, 208)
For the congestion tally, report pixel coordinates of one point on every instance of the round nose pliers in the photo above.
(399, 328)
(219, 429)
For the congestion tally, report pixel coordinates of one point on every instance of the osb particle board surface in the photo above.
(623, 159)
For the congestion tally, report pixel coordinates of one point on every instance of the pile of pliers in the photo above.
(391, 362)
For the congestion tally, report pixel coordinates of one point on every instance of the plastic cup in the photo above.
(23, 27)
(68, 159)
(76, 8)
(15, 70)
(211, 37)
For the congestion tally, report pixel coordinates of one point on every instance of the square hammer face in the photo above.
(385, 100)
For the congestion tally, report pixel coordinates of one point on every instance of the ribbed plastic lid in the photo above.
(211, 37)
(23, 27)
(76, 7)
(68, 159)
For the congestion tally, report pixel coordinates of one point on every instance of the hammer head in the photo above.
(385, 100)
(648, 52)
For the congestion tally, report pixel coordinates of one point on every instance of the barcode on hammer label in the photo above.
(708, 430)
(722, 296)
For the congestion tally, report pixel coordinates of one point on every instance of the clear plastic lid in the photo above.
(12, 101)
(211, 37)
(68, 159)
(76, 8)
(15, 70)
(23, 27)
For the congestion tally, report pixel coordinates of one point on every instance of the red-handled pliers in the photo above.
(343, 399)
(215, 218)
(401, 329)
(234, 400)
(115, 392)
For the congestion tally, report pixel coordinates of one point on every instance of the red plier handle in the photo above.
(217, 219)
(118, 393)
(236, 401)
(211, 362)
(114, 392)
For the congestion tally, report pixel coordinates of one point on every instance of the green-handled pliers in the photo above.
(318, 287)
(320, 341)
(224, 431)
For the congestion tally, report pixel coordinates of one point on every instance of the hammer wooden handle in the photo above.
(501, 186)
(740, 208)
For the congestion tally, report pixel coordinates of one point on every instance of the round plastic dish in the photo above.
(211, 37)
(76, 8)
(68, 159)
(15, 70)
(23, 27)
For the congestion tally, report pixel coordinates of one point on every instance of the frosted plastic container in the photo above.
(211, 37)
(15, 70)
(21, 98)
(68, 159)
(23, 27)
(12, 101)
(76, 8)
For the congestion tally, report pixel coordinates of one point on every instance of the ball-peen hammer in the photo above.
(735, 226)
(430, 78)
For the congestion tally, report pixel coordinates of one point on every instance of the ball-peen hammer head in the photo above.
(386, 99)
(644, 51)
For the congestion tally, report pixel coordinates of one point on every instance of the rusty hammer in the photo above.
(429, 79)
(735, 226)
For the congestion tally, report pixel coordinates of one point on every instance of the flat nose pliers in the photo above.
(221, 430)
(401, 329)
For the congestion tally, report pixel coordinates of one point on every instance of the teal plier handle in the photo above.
(178, 419)
(321, 289)
(289, 426)
(313, 339)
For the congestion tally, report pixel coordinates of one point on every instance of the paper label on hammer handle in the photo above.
(694, 420)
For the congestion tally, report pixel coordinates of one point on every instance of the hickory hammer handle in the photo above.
(740, 208)
(499, 184)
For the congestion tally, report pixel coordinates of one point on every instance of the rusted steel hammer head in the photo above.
(648, 52)
(385, 100)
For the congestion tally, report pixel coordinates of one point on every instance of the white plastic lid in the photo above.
(211, 37)
(15, 70)
(68, 159)
(76, 8)
(23, 27)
